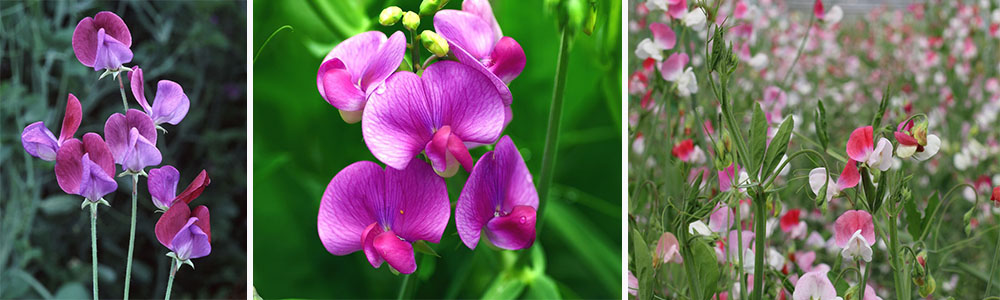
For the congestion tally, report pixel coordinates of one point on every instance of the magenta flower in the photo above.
(102, 42)
(132, 139)
(476, 39)
(382, 211)
(170, 104)
(38, 141)
(450, 105)
(500, 198)
(163, 186)
(861, 148)
(86, 167)
(187, 234)
(353, 70)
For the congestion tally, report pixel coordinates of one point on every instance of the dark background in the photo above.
(44, 236)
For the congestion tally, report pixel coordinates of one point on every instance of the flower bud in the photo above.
(429, 7)
(411, 21)
(928, 288)
(390, 15)
(920, 133)
(434, 43)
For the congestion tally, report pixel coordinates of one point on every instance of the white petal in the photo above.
(932, 147)
(905, 151)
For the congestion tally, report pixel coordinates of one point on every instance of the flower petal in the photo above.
(467, 31)
(171, 222)
(514, 231)
(94, 182)
(483, 9)
(399, 254)
(111, 53)
(385, 61)
(860, 144)
(397, 121)
(99, 152)
(663, 35)
(849, 177)
(466, 100)
(347, 206)
(673, 67)
(118, 126)
(194, 188)
(190, 241)
(419, 202)
(85, 41)
(368, 244)
(162, 183)
(170, 104)
(356, 52)
(851, 221)
(71, 120)
(114, 26)
(39, 141)
(140, 153)
(932, 147)
(337, 86)
(507, 59)
(500, 180)
(201, 212)
(501, 86)
(138, 89)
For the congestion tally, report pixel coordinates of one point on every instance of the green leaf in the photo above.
(422, 247)
(543, 287)
(821, 133)
(708, 267)
(643, 265)
(507, 285)
(929, 211)
(880, 192)
(866, 181)
(913, 220)
(758, 140)
(779, 144)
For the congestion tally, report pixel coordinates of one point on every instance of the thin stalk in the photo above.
(415, 51)
(864, 280)
(760, 204)
(93, 243)
(899, 273)
(131, 236)
(121, 87)
(402, 287)
(170, 282)
(812, 18)
(993, 266)
(552, 133)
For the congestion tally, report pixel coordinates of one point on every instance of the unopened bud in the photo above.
(588, 24)
(920, 133)
(411, 21)
(434, 43)
(928, 288)
(390, 15)
(429, 7)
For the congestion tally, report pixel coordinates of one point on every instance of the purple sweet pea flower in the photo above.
(500, 197)
(186, 233)
(356, 67)
(475, 38)
(86, 168)
(170, 104)
(41, 143)
(450, 105)
(162, 184)
(102, 42)
(132, 139)
(382, 212)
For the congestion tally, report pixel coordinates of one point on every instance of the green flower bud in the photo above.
(429, 7)
(920, 132)
(390, 15)
(928, 287)
(411, 20)
(434, 43)
(821, 196)
(588, 24)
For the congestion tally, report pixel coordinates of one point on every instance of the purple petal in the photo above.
(346, 208)
(467, 59)
(162, 184)
(69, 168)
(385, 61)
(111, 53)
(514, 231)
(85, 41)
(190, 242)
(118, 126)
(171, 222)
(94, 182)
(446, 151)
(170, 104)
(397, 253)
(466, 100)
(139, 89)
(114, 26)
(397, 120)
(419, 204)
(337, 86)
(99, 152)
(507, 60)
(482, 9)
(357, 51)
(467, 31)
(71, 120)
(201, 212)
(140, 153)
(39, 141)
(368, 244)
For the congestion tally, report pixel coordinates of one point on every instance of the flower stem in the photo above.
(131, 237)
(121, 87)
(805, 37)
(899, 275)
(93, 243)
(170, 282)
(402, 287)
(993, 266)
(760, 203)
(552, 133)
(415, 50)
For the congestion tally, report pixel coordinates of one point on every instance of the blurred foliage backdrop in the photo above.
(300, 143)
(44, 236)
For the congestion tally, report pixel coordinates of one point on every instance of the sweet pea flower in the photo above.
(861, 148)
(721, 219)
(996, 195)
(855, 233)
(500, 198)
(657, 4)
(355, 68)
(677, 8)
(132, 139)
(726, 177)
(849, 178)
(738, 246)
(792, 226)
(815, 285)
(818, 10)
(86, 168)
(186, 233)
(38, 141)
(695, 19)
(916, 142)
(162, 184)
(170, 104)
(450, 105)
(102, 42)
(687, 151)
(668, 250)
(687, 84)
(382, 211)
(672, 68)
(663, 35)
(633, 285)
(647, 49)
(475, 38)
(699, 228)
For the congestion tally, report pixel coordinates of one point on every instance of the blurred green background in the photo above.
(301, 143)
(44, 236)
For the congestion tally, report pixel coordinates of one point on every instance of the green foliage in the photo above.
(758, 140)
(778, 146)
(708, 267)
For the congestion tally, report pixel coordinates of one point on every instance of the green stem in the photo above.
(131, 236)
(170, 282)
(402, 287)
(993, 266)
(812, 18)
(864, 281)
(899, 273)
(121, 87)
(415, 50)
(760, 203)
(552, 133)
(268, 40)
(93, 243)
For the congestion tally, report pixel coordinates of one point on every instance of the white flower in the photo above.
(687, 84)
(647, 48)
(857, 247)
(748, 260)
(817, 177)
(758, 61)
(882, 157)
(834, 15)
(932, 147)
(775, 259)
(657, 4)
(695, 19)
(699, 227)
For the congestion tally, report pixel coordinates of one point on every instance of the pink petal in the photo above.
(71, 120)
(672, 68)
(170, 104)
(368, 244)
(385, 61)
(818, 9)
(467, 31)
(356, 52)
(905, 139)
(171, 222)
(513, 231)
(418, 203)
(482, 9)
(663, 35)
(397, 123)
(138, 89)
(338, 87)
(397, 253)
(344, 211)
(861, 143)
(201, 212)
(849, 177)
(507, 59)
(850, 222)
